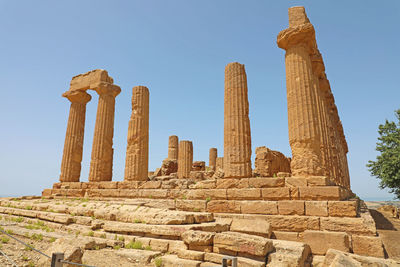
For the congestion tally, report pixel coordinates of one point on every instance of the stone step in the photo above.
(175, 261)
(163, 231)
(268, 193)
(363, 225)
(107, 211)
(190, 183)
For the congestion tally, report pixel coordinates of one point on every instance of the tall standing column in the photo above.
(73, 146)
(304, 132)
(173, 147)
(212, 160)
(237, 136)
(185, 158)
(102, 150)
(137, 152)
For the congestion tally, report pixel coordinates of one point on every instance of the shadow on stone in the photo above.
(381, 222)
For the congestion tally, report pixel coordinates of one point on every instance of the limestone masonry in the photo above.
(137, 152)
(285, 212)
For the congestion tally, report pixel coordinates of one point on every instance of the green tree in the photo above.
(386, 167)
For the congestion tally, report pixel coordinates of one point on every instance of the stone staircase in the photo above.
(195, 238)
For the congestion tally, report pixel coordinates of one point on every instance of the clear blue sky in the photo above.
(179, 49)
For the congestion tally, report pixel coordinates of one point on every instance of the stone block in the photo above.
(245, 262)
(259, 207)
(73, 192)
(316, 208)
(207, 193)
(108, 185)
(74, 185)
(129, 184)
(128, 193)
(206, 184)
(266, 182)
(173, 260)
(197, 175)
(191, 205)
(198, 238)
(89, 79)
(291, 207)
(153, 193)
(278, 193)
(175, 245)
(177, 193)
(367, 246)
(290, 236)
(283, 174)
(292, 223)
(190, 254)
(318, 181)
(150, 185)
(198, 166)
(296, 181)
(343, 208)
(56, 185)
(244, 193)
(251, 226)
(288, 253)
(93, 185)
(223, 206)
(269, 162)
(320, 193)
(333, 257)
(320, 241)
(348, 225)
(233, 183)
(159, 244)
(201, 248)
(46, 192)
(244, 243)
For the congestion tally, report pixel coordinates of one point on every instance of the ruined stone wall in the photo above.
(269, 162)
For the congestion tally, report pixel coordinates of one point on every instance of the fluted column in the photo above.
(73, 145)
(137, 152)
(102, 149)
(304, 131)
(185, 158)
(173, 147)
(212, 158)
(237, 136)
(220, 163)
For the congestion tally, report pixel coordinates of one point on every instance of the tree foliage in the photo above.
(386, 167)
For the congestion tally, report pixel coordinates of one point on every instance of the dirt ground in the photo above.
(19, 253)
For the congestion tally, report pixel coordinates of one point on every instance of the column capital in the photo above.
(104, 88)
(77, 96)
(303, 34)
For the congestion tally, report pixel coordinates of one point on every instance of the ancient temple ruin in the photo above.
(306, 198)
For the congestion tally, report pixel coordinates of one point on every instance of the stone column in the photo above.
(102, 149)
(237, 137)
(185, 158)
(173, 147)
(304, 132)
(137, 152)
(220, 163)
(73, 145)
(212, 159)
